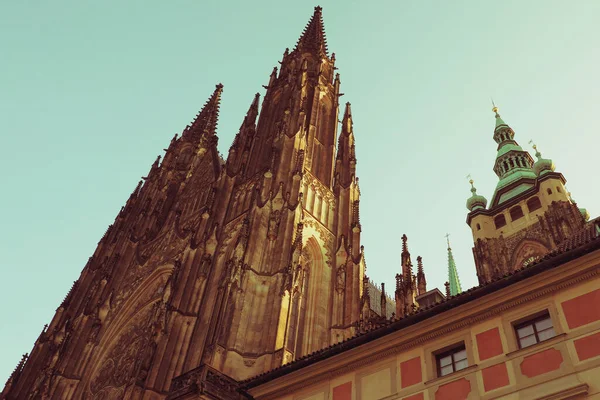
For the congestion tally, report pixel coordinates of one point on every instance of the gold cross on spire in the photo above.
(534, 146)
(494, 107)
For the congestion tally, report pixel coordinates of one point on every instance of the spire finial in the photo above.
(313, 37)
(448, 239)
(471, 181)
(495, 109)
(538, 154)
(207, 118)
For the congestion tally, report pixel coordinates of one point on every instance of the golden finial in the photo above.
(533, 144)
(494, 108)
(470, 179)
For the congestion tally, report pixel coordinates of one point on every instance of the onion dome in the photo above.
(542, 165)
(475, 202)
(584, 212)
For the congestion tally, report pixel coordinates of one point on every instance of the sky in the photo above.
(91, 92)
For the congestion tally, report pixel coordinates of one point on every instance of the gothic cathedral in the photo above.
(233, 268)
(243, 264)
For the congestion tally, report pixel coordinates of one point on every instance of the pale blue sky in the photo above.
(91, 92)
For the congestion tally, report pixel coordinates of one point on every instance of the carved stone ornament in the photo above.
(341, 279)
(122, 363)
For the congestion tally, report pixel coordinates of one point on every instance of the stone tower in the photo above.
(530, 214)
(242, 265)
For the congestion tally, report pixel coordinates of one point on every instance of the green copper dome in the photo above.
(584, 212)
(542, 165)
(475, 202)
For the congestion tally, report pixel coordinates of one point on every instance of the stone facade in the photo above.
(240, 265)
(245, 277)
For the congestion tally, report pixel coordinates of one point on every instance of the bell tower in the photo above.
(530, 214)
(290, 252)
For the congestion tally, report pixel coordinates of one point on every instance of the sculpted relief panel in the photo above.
(128, 353)
(118, 368)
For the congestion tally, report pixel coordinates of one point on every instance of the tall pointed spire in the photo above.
(313, 37)
(205, 123)
(453, 280)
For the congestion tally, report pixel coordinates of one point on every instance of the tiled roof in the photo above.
(375, 296)
(580, 243)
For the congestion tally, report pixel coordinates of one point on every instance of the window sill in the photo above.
(452, 376)
(538, 346)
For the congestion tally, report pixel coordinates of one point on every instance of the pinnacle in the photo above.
(404, 246)
(313, 37)
(347, 120)
(207, 118)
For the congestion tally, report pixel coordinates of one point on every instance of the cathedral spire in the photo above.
(454, 281)
(313, 37)
(205, 123)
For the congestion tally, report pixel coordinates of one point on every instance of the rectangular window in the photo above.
(534, 330)
(452, 360)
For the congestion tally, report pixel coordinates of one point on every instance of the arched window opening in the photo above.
(516, 213)
(512, 162)
(505, 166)
(499, 221)
(558, 189)
(549, 191)
(478, 227)
(534, 204)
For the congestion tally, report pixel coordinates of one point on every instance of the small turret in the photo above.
(542, 165)
(475, 202)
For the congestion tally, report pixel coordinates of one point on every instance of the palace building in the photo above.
(244, 277)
